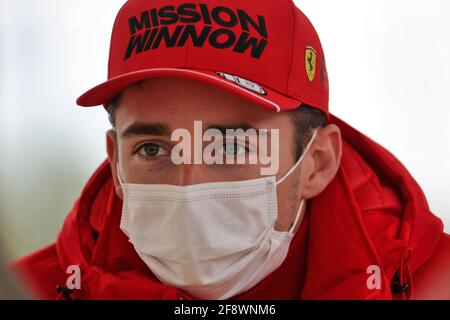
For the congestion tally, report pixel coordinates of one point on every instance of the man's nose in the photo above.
(190, 174)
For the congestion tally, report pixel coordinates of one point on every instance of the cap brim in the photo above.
(103, 93)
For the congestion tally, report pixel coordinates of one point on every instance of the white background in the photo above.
(389, 77)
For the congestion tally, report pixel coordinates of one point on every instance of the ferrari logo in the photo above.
(310, 62)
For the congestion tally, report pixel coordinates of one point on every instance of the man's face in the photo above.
(147, 115)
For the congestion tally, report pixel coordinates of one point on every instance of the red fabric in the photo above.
(372, 213)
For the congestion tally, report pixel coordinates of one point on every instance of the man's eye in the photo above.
(152, 150)
(233, 148)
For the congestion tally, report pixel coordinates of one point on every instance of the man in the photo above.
(338, 218)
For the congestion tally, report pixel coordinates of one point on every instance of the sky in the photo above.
(389, 77)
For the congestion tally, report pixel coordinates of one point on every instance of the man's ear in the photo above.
(322, 162)
(112, 150)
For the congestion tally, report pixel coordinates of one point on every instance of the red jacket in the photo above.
(372, 213)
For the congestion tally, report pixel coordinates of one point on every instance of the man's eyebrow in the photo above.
(234, 126)
(146, 129)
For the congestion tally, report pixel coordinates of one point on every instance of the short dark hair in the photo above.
(112, 107)
(305, 120)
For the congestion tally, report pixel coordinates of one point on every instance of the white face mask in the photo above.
(211, 240)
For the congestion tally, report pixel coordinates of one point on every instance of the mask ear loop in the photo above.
(118, 174)
(300, 213)
(298, 217)
(313, 138)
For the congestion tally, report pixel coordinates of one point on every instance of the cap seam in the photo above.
(112, 33)
(291, 53)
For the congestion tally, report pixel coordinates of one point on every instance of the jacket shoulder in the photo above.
(432, 280)
(41, 272)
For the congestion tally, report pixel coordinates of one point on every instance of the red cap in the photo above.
(266, 51)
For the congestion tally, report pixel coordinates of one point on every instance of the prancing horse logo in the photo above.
(310, 62)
